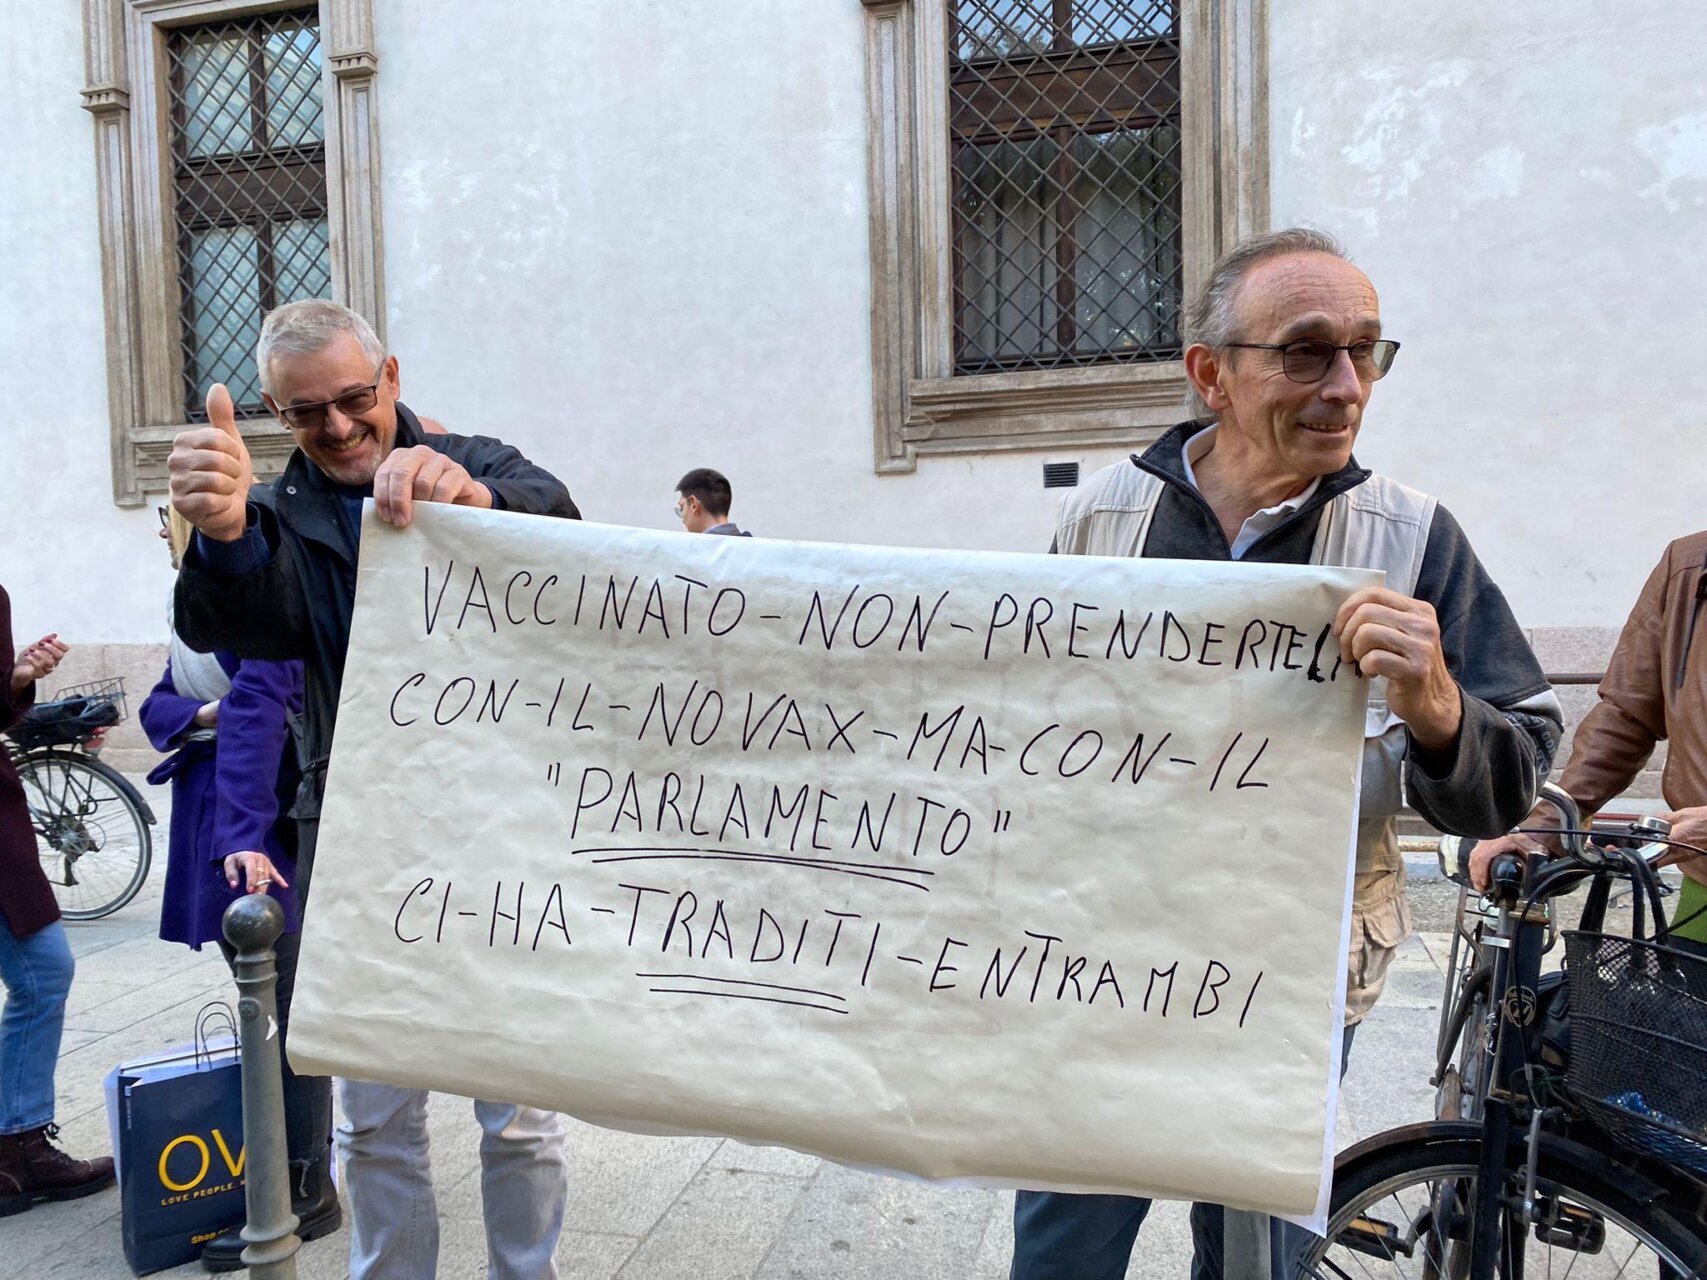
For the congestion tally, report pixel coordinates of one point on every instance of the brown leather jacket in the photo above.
(1655, 688)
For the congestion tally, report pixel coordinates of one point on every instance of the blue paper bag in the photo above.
(177, 1119)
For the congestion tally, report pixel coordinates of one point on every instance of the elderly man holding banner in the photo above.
(271, 574)
(1286, 347)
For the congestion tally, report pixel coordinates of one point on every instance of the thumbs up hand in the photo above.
(210, 471)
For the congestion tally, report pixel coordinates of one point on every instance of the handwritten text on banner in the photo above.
(1030, 870)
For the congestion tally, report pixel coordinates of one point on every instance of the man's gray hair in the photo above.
(307, 326)
(1213, 317)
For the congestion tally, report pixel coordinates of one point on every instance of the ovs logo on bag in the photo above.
(188, 1170)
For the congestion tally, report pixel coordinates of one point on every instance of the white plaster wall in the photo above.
(632, 255)
(71, 561)
(1526, 184)
(627, 253)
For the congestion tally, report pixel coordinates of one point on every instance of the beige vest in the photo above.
(1381, 524)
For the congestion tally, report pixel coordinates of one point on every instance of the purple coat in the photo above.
(227, 793)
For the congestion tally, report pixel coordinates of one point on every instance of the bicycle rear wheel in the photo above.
(1399, 1210)
(93, 839)
(1459, 1096)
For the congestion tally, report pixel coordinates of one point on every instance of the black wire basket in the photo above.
(74, 715)
(1638, 1064)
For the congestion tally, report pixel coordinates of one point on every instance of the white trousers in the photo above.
(394, 1220)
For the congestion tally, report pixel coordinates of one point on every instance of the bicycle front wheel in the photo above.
(1401, 1209)
(94, 842)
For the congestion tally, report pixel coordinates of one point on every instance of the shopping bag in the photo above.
(177, 1121)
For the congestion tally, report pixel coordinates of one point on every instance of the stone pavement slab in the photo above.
(858, 1226)
(640, 1208)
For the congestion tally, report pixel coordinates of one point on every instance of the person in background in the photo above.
(36, 966)
(225, 723)
(1654, 690)
(703, 498)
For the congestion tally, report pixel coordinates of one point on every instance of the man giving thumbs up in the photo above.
(271, 573)
(211, 475)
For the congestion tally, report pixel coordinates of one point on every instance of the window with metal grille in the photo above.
(1064, 120)
(249, 190)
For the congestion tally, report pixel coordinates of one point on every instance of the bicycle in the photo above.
(92, 826)
(1463, 1045)
(1557, 1150)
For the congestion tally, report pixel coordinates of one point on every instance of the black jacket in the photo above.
(298, 603)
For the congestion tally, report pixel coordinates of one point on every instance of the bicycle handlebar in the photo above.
(1454, 851)
(1505, 877)
(1570, 817)
(1587, 853)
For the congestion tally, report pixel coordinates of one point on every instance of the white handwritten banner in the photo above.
(1029, 870)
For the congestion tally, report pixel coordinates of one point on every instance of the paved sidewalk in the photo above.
(639, 1208)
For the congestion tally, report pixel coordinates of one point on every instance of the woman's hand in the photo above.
(255, 871)
(37, 660)
(1690, 826)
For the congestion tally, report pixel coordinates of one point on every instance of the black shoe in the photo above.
(314, 1202)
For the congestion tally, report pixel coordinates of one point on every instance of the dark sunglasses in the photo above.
(1310, 359)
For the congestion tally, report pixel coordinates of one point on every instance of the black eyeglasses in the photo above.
(308, 417)
(165, 521)
(1310, 359)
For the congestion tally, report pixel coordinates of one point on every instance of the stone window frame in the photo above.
(125, 63)
(920, 406)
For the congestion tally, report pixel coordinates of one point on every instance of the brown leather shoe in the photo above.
(32, 1168)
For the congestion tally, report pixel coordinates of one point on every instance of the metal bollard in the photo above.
(252, 924)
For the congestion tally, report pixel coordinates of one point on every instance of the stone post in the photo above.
(252, 924)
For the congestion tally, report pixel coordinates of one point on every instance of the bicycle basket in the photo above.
(75, 712)
(1639, 1044)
